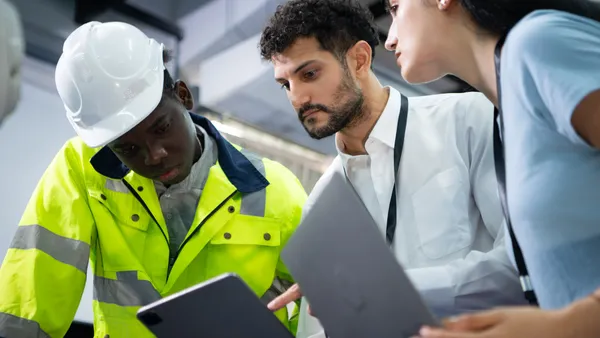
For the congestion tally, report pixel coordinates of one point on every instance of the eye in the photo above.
(310, 75)
(393, 9)
(128, 150)
(163, 128)
(285, 86)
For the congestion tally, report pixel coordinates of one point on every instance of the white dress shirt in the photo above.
(450, 229)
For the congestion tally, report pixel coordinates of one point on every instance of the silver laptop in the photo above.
(353, 282)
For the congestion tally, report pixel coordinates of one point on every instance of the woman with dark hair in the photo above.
(547, 57)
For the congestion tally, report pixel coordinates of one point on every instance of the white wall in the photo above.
(28, 141)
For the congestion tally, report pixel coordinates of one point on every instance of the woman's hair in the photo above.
(497, 17)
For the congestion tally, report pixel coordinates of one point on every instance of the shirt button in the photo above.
(103, 197)
(135, 217)
(231, 209)
(169, 216)
(227, 235)
(267, 236)
(140, 188)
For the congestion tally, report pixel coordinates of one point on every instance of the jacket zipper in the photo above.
(139, 198)
(202, 223)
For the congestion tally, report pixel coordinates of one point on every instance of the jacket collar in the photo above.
(238, 169)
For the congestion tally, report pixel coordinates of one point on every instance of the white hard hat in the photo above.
(110, 78)
(12, 49)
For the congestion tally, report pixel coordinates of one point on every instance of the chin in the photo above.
(419, 75)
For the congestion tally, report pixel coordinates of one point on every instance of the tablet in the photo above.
(222, 307)
(347, 272)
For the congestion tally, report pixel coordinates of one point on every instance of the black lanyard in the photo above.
(398, 145)
(390, 230)
(501, 177)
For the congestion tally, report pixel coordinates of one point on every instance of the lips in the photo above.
(310, 112)
(398, 54)
(169, 175)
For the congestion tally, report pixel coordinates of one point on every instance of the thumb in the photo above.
(475, 322)
(290, 295)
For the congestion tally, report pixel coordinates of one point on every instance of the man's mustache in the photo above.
(309, 107)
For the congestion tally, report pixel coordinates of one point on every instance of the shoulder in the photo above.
(450, 102)
(335, 166)
(282, 181)
(549, 31)
(278, 174)
(462, 109)
(547, 23)
(75, 153)
(70, 166)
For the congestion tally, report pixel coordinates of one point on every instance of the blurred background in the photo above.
(215, 46)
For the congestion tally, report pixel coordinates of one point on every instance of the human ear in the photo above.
(361, 54)
(184, 95)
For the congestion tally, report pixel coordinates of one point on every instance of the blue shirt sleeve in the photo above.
(552, 59)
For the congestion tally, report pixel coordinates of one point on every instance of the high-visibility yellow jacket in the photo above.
(89, 207)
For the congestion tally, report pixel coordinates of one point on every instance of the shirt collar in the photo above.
(384, 130)
(238, 169)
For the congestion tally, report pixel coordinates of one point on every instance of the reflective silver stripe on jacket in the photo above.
(126, 290)
(66, 250)
(278, 287)
(13, 326)
(253, 204)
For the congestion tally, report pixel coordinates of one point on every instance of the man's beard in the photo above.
(341, 116)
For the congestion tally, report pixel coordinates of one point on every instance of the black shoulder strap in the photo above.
(501, 177)
(398, 146)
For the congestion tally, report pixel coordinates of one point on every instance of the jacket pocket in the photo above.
(248, 246)
(122, 226)
(441, 215)
(123, 207)
(249, 230)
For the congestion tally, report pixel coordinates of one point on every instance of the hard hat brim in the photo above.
(136, 111)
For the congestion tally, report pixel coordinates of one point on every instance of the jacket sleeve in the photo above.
(480, 280)
(44, 272)
(293, 197)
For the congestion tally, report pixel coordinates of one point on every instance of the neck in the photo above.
(351, 139)
(477, 66)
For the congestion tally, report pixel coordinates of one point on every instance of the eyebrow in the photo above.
(299, 68)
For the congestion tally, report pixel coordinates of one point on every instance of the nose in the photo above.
(155, 154)
(298, 96)
(392, 40)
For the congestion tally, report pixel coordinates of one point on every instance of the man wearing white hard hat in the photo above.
(152, 195)
(12, 47)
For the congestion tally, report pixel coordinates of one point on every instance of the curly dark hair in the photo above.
(336, 24)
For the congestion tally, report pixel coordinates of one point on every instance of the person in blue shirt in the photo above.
(550, 100)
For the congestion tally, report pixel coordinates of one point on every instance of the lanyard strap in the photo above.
(398, 145)
(501, 177)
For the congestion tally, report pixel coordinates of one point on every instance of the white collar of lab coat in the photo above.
(384, 130)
